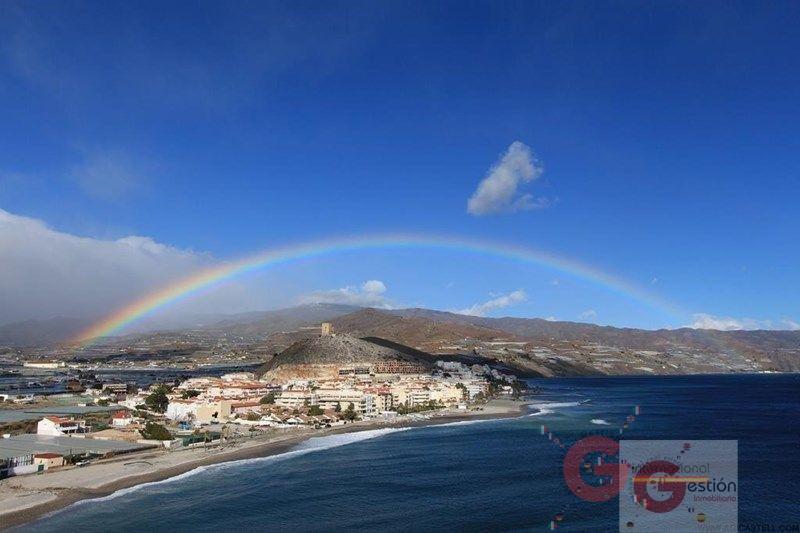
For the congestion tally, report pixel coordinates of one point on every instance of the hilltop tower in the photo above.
(326, 329)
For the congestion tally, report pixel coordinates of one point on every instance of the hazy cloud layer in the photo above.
(139, 68)
(371, 293)
(727, 323)
(588, 314)
(506, 300)
(498, 192)
(109, 175)
(46, 273)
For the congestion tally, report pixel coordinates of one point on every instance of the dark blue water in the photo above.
(494, 475)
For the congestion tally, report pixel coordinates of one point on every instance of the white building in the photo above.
(132, 400)
(238, 376)
(46, 365)
(343, 397)
(182, 409)
(57, 426)
(296, 398)
(122, 419)
(238, 389)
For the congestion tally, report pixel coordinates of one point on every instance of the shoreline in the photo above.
(48, 495)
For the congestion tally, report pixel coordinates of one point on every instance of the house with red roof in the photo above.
(122, 419)
(48, 459)
(58, 426)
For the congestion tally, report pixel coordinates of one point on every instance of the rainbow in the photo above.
(210, 277)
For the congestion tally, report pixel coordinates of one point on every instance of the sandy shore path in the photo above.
(26, 498)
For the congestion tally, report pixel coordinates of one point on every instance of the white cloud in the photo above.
(46, 273)
(371, 293)
(373, 286)
(551, 319)
(497, 193)
(791, 324)
(727, 323)
(589, 313)
(109, 175)
(481, 309)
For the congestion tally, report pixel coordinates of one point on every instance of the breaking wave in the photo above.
(546, 408)
(314, 444)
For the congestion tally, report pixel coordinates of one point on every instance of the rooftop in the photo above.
(18, 445)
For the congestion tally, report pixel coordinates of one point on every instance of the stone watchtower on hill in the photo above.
(333, 356)
(326, 329)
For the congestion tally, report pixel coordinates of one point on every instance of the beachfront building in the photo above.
(475, 387)
(331, 398)
(445, 393)
(48, 460)
(296, 398)
(411, 395)
(56, 426)
(208, 413)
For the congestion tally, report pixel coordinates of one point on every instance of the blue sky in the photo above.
(662, 141)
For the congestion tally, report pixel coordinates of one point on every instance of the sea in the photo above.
(493, 475)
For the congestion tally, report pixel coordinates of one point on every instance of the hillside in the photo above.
(545, 348)
(320, 355)
(424, 333)
(267, 322)
(779, 347)
(536, 345)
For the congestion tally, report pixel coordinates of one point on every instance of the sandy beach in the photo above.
(26, 498)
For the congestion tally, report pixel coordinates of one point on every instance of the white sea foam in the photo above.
(546, 408)
(467, 422)
(599, 422)
(314, 444)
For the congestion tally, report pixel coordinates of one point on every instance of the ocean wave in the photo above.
(467, 422)
(314, 444)
(599, 422)
(546, 408)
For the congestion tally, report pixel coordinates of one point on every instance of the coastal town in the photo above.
(326, 382)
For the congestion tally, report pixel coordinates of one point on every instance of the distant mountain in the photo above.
(292, 318)
(783, 347)
(532, 343)
(41, 332)
(249, 324)
(411, 330)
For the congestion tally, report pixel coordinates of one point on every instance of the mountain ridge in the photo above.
(435, 331)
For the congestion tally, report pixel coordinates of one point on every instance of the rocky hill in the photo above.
(327, 354)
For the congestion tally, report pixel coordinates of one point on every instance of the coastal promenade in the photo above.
(26, 498)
